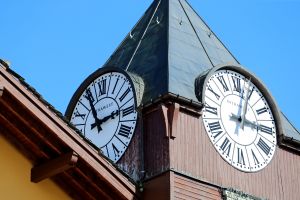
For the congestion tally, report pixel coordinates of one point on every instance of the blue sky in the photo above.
(56, 44)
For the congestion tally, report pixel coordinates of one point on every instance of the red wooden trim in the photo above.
(66, 134)
(1, 90)
(173, 118)
(4, 64)
(164, 113)
(54, 167)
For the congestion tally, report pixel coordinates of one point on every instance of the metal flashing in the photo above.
(291, 136)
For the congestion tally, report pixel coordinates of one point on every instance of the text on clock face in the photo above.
(105, 107)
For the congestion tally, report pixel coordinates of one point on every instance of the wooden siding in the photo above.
(185, 188)
(156, 144)
(158, 188)
(193, 154)
(132, 160)
(39, 134)
(174, 186)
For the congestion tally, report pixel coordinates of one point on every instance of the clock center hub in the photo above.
(108, 119)
(231, 115)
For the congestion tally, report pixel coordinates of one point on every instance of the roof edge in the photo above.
(67, 133)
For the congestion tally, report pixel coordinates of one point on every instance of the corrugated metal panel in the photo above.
(185, 188)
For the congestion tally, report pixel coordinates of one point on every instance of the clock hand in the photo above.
(111, 116)
(240, 107)
(237, 118)
(94, 112)
(245, 105)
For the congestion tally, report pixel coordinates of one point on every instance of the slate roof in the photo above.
(169, 47)
(291, 133)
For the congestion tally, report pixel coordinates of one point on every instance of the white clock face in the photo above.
(106, 114)
(239, 121)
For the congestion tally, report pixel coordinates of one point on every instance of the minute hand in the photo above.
(245, 105)
(97, 121)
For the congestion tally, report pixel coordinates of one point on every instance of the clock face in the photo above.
(239, 121)
(105, 113)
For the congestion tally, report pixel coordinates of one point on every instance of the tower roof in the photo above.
(169, 47)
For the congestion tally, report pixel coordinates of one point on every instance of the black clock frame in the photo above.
(73, 102)
(89, 80)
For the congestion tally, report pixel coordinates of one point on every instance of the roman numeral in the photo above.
(88, 95)
(261, 111)
(115, 86)
(215, 129)
(264, 146)
(266, 129)
(78, 114)
(211, 90)
(128, 111)
(210, 109)
(236, 84)
(124, 131)
(240, 157)
(223, 83)
(116, 151)
(102, 87)
(254, 158)
(226, 146)
(124, 95)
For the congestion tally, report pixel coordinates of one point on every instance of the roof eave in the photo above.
(23, 105)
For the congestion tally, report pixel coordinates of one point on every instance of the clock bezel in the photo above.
(202, 80)
(89, 80)
(83, 86)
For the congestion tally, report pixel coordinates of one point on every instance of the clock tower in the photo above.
(176, 112)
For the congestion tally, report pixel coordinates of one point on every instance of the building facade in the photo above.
(180, 118)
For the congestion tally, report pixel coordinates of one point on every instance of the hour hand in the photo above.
(111, 116)
(243, 117)
(246, 121)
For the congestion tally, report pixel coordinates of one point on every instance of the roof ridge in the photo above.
(127, 36)
(143, 35)
(211, 31)
(185, 12)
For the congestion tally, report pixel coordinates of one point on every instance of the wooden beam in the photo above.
(1, 90)
(164, 113)
(59, 129)
(54, 167)
(5, 64)
(173, 118)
